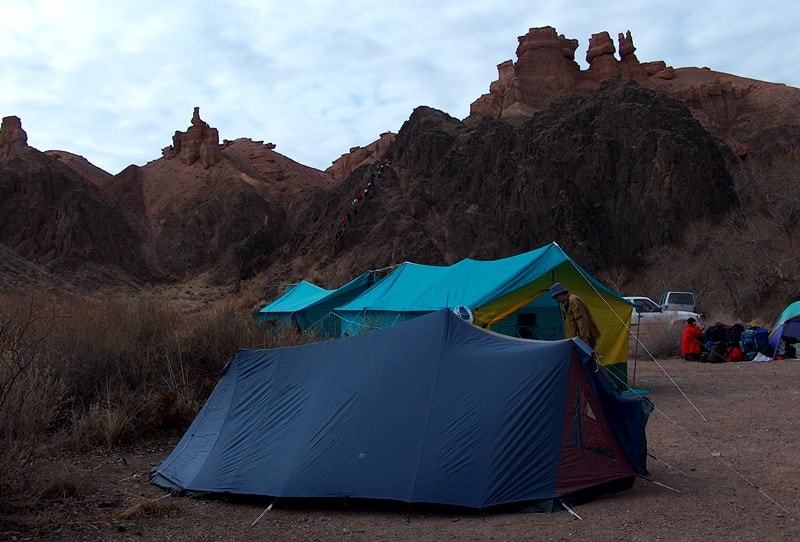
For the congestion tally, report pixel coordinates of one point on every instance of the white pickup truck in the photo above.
(678, 301)
(647, 312)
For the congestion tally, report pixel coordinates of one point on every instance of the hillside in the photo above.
(652, 177)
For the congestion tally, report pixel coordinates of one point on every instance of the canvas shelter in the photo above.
(787, 327)
(432, 411)
(509, 295)
(311, 306)
(295, 298)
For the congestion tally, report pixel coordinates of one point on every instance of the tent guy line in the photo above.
(714, 454)
(659, 365)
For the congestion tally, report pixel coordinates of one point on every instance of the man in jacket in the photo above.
(576, 315)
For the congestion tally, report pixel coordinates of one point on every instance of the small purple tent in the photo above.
(786, 329)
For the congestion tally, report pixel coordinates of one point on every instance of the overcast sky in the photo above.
(113, 80)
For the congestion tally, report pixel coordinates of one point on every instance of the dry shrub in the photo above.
(139, 366)
(30, 391)
(62, 487)
(104, 425)
(113, 344)
(162, 507)
(214, 335)
(657, 341)
(109, 369)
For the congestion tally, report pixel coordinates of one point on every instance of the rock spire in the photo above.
(546, 70)
(199, 142)
(12, 136)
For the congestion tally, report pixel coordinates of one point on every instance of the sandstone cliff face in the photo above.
(165, 221)
(610, 176)
(225, 222)
(628, 165)
(359, 156)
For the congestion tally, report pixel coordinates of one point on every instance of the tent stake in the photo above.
(570, 510)
(262, 514)
(660, 484)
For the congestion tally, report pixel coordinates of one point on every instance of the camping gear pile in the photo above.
(729, 343)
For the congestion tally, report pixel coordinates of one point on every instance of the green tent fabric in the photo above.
(509, 295)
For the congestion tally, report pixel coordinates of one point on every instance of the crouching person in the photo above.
(691, 345)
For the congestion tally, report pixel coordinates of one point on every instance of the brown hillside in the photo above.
(53, 218)
(610, 176)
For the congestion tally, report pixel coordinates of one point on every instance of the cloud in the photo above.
(112, 81)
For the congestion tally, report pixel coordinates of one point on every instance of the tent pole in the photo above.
(636, 347)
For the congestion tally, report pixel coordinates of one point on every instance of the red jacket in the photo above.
(690, 343)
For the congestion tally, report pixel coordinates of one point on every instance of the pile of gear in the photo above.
(724, 343)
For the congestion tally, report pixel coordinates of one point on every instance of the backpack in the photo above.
(713, 352)
(734, 353)
(716, 332)
(754, 339)
(733, 334)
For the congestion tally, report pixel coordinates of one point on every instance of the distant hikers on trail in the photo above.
(357, 201)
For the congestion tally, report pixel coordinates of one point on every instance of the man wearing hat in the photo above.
(576, 315)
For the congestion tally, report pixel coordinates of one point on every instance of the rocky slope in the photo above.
(650, 176)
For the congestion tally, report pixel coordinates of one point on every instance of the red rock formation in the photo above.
(546, 70)
(344, 165)
(199, 142)
(12, 136)
(629, 65)
(733, 108)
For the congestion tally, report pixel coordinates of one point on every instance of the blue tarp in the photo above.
(434, 410)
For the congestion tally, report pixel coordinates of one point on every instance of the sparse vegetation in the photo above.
(150, 507)
(99, 373)
(659, 342)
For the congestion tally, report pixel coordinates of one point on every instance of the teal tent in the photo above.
(318, 316)
(311, 306)
(786, 330)
(509, 295)
(295, 298)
